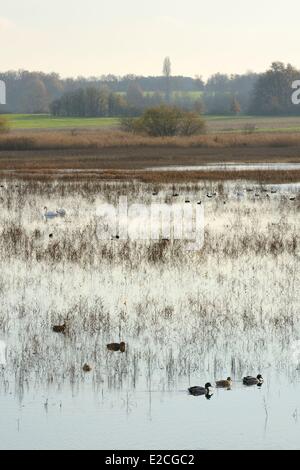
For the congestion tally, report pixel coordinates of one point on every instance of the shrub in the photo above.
(166, 121)
(191, 124)
(128, 124)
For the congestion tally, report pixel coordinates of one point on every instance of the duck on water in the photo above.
(207, 390)
(253, 380)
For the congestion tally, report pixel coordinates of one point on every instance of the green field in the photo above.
(218, 124)
(45, 121)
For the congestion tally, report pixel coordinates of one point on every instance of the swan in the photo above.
(49, 214)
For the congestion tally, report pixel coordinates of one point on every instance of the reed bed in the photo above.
(57, 140)
(230, 308)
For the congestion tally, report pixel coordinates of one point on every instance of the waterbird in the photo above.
(60, 328)
(61, 212)
(87, 368)
(253, 380)
(198, 391)
(224, 383)
(116, 347)
(49, 214)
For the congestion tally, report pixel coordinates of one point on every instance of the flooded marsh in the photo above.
(187, 318)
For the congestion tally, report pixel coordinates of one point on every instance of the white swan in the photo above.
(49, 214)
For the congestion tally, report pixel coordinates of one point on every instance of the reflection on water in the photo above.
(232, 167)
(188, 319)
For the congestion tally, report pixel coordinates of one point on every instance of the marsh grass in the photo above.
(56, 140)
(230, 308)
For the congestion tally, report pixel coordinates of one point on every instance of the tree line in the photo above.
(268, 93)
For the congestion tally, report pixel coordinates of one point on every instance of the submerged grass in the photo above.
(227, 309)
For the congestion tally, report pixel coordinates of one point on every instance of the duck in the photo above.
(60, 328)
(116, 347)
(198, 391)
(224, 383)
(87, 368)
(253, 380)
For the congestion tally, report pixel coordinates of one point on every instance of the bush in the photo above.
(128, 124)
(4, 126)
(165, 121)
(191, 124)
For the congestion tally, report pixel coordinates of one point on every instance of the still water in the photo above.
(187, 318)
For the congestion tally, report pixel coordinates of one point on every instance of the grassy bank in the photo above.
(219, 124)
(45, 121)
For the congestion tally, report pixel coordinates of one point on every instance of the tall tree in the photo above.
(167, 71)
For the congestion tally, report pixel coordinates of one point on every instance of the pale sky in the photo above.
(94, 37)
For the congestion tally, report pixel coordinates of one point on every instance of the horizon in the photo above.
(160, 75)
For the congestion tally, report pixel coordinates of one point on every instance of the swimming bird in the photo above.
(87, 368)
(117, 347)
(198, 391)
(224, 383)
(61, 212)
(253, 380)
(60, 328)
(49, 214)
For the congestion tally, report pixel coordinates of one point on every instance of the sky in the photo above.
(95, 37)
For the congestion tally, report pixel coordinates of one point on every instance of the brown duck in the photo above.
(117, 347)
(87, 368)
(60, 328)
(224, 383)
